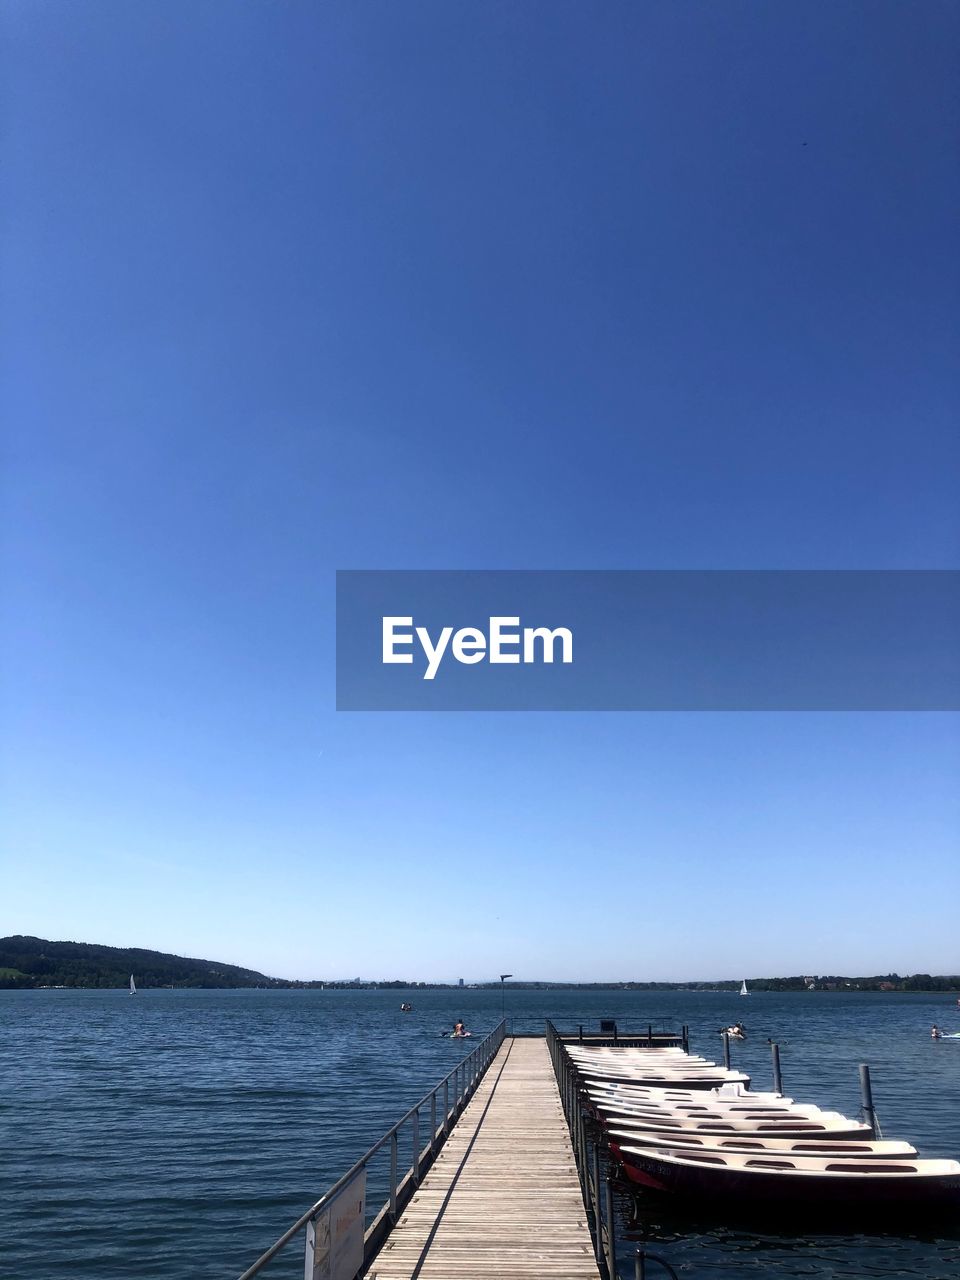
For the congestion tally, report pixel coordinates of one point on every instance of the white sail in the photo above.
(743, 988)
(133, 986)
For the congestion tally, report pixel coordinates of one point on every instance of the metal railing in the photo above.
(445, 1101)
(589, 1147)
(587, 1156)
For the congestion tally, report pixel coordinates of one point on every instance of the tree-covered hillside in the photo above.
(35, 962)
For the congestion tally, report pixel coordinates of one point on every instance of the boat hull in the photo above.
(733, 1188)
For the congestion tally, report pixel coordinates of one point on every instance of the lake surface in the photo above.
(178, 1133)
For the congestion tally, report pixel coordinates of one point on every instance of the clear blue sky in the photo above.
(292, 287)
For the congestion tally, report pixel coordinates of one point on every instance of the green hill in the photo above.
(36, 962)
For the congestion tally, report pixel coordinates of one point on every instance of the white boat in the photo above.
(743, 988)
(721, 1111)
(708, 1078)
(795, 1181)
(711, 1106)
(826, 1124)
(723, 1094)
(879, 1149)
(133, 986)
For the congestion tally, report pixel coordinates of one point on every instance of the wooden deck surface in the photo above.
(502, 1201)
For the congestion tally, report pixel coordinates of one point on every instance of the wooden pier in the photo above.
(502, 1201)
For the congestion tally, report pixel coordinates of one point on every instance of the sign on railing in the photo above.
(335, 1234)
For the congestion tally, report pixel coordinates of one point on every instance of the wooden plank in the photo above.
(502, 1201)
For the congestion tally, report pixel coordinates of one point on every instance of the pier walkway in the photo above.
(502, 1201)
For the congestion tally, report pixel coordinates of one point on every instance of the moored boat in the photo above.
(716, 1111)
(623, 1141)
(678, 1079)
(630, 1092)
(787, 1127)
(793, 1181)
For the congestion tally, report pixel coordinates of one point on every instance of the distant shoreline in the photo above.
(445, 986)
(28, 963)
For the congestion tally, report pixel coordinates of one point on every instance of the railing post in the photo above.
(415, 1120)
(582, 1130)
(446, 1107)
(597, 1217)
(611, 1239)
(393, 1176)
(777, 1077)
(433, 1123)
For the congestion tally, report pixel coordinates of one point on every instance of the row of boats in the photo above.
(679, 1123)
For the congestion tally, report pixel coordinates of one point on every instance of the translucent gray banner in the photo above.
(648, 640)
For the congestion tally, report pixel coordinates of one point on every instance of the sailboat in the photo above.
(133, 986)
(743, 987)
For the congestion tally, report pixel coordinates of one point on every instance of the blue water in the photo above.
(178, 1133)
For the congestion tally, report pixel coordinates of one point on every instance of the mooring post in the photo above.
(726, 1049)
(685, 1037)
(777, 1078)
(866, 1099)
(650, 1034)
(581, 1032)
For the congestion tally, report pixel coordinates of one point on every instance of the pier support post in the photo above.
(777, 1077)
(726, 1050)
(866, 1099)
